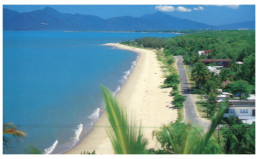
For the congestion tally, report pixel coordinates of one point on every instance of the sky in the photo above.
(208, 14)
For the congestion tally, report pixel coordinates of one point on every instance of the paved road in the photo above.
(190, 115)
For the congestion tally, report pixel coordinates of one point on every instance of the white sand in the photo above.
(146, 103)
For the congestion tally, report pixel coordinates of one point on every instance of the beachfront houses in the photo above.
(243, 109)
(219, 62)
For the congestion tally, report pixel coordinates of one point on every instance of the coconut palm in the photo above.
(200, 74)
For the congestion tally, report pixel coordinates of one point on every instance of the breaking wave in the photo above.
(94, 116)
(51, 148)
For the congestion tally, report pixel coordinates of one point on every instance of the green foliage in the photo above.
(170, 61)
(248, 69)
(148, 42)
(238, 45)
(178, 100)
(173, 137)
(171, 80)
(210, 86)
(239, 138)
(33, 150)
(240, 87)
(88, 153)
(180, 138)
(11, 131)
(124, 137)
(235, 45)
(226, 74)
(200, 74)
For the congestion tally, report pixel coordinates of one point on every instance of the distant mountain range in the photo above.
(241, 25)
(50, 19)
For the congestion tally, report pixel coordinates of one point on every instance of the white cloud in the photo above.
(198, 8)
(229, 6)
(165, 8)
(183, 9)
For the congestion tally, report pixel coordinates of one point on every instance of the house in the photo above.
(219, 62)
(204, 52)
(214, 69)
(243, 109)
(223, 95)
(219, 91)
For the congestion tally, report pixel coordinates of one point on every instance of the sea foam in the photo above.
(78, 132)
(51, 148)
(94, 116)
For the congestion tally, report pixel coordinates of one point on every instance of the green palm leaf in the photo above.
(124, 136)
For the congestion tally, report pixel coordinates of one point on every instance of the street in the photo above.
(190, 113)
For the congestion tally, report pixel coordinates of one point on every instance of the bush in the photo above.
(172, 79)
(178, 101)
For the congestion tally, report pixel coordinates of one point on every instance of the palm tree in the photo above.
(200, 74)
(11, 129)
(180, 138)
(126, 140)
(123, 135)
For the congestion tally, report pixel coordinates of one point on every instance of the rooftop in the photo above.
(216, 60)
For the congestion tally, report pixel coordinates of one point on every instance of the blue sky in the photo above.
(209, 14)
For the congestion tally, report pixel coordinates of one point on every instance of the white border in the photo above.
(126, 2)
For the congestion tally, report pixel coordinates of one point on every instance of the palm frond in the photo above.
(215, 121)
(10, 128)
(124, 137)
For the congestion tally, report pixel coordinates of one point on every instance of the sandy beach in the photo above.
(146, 104)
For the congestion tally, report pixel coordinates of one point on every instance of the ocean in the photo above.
(51, 83)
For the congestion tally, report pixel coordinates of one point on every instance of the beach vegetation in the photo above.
(178, 100)
(181, 138)
(171, 80)
(88, 153)
(175, 138)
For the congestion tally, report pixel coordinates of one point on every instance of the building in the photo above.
(219, 62)
(204, 52)
(223, 96)
(214, 69)
(239, 63)
(243, 109)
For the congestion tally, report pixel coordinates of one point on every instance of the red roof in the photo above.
(207, 51)
(216, 60)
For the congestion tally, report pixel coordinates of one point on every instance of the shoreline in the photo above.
(139, 94)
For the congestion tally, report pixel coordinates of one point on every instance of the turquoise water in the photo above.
(51, 83)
